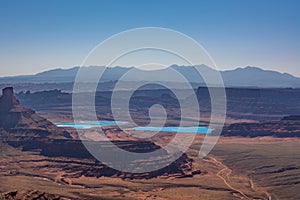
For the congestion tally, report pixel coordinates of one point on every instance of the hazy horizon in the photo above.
(66, 68)
(37, 36)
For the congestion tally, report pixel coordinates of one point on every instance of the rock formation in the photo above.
(292, 118)
(29, 195)
(17, 119)
(23, 128)
(8, 100)
(288, 126)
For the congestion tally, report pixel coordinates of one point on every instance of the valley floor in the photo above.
(238, 168)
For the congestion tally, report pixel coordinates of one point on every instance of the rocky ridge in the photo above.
(29, 195)
(23, 128)
(20, 121)
(288, 126)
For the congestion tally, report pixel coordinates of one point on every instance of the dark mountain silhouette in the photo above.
(256, 77)
(240, 77)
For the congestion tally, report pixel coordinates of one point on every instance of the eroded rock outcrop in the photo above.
(23, 128)
(8, 100)
(24, 122)
(29, 195)
(288, 126)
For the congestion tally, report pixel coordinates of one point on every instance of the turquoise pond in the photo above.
(197, 129)
(88, 125)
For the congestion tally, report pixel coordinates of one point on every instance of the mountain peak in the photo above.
(253, 68)
(57, 70)
(248, 76)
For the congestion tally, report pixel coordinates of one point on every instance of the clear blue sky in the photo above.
(39, 35)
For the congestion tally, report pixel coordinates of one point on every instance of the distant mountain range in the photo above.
(240, 77)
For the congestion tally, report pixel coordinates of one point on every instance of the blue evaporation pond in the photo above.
(87, 125)
(193, 129)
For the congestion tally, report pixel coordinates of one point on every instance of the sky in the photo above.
(41, 35)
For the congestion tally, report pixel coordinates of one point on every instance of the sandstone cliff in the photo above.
(21, 121)
(288, 126)
(23, 128)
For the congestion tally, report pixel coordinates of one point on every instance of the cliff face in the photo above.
(18, 120)
(23, 128)
(289, 126)
(8, 100)
(9, 116)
